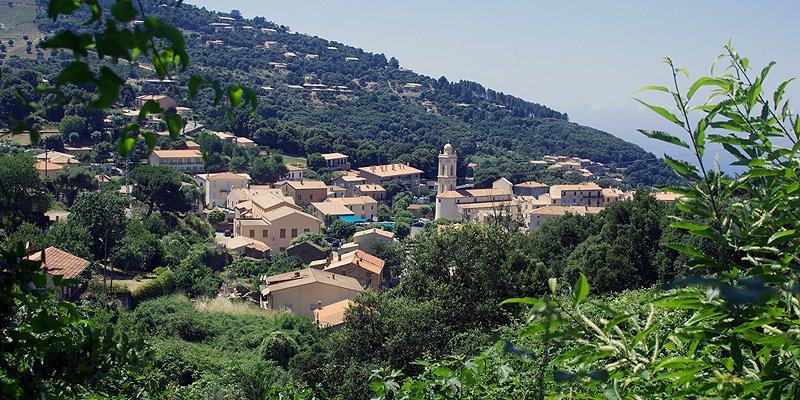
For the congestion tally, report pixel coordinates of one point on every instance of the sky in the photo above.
(585, 58)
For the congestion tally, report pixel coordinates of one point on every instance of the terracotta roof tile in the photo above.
(59, 262)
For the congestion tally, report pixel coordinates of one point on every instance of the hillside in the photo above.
(317, 95)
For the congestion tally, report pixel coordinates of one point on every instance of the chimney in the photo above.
(296, 274)
(333, 276)
(328, 259)
(339, 256)
(319, 305)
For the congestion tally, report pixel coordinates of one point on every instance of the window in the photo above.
(252, 233)
(283, 233)
(311, 197)
(305, 230)
(294, 232)
(264, 233)
(299, 197)
(287, 307)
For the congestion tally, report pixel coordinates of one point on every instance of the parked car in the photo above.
(228, 233)
(333, 241)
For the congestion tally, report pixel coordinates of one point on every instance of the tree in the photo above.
(216, 216)
(402, 230)
(316, 238)
(268, 169)
(103, 215)
(72, 124)
(341, 229)
(159, 186)
(315, 162)
(22, 194)
(70, 182)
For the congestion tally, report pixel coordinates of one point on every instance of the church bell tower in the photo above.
(447, 169)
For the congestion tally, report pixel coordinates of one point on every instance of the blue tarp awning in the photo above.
(352, 219)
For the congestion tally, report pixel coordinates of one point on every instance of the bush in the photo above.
(278, 347)
(163, 285)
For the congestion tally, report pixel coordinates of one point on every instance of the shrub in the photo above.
(163, 285)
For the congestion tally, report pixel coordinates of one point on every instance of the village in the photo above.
(260, 221)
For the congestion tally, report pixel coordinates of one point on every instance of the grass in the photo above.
(224, 306)
(16, 21)
(293, 159)
(23, 139)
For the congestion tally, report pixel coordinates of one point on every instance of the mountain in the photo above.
(318, 95)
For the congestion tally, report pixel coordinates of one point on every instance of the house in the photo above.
(382, 174)
(276, 226)
(244, 142)
(377, 192)
(217, 186)
(584, 194)
(362, 206)
(58, 262)
(332, 315)
(305, 192)
(165, 102)
(539, 215)
(225, 137)
(464, 203)
(190, 145)
(530, 188)
(237, 197)
(336, 192)
(667, 197)
(348, 180)
(248, 247)
(367, 239)
(50, 163)
(336, 161)
(182, 160)
(365, 267)
(307, 251)
(303, 291)
(328, 210)
(293, 173)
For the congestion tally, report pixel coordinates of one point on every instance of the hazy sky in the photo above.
(585, 58)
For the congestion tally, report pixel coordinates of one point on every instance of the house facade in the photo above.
(303, 291)
(276, 227)
(182, 160)
(218, 186)
(305, 192)
(382, 174)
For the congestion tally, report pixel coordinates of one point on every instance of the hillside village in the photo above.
(261, 220)
(359, 230)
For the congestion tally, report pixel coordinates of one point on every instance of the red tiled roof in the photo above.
(59, 262)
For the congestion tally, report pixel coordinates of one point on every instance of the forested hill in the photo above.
(317, 95)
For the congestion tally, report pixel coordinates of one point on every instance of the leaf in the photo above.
(174, 124)
(682, 167)
(235, 94)
(706, 81)
(196, 82)
(663, 112)
(149, 107)
(108, 86)
(689, 226)
(646, 88)
(125, 145)
(664, 137)
(581, 290)
(562, 376)
(71, 41)
(76, 72)
(778, 96)
(687, 250)
(123, 10)
(780, 235)
(553, 284)
(700, 136)
(521, 300)
(150, 140)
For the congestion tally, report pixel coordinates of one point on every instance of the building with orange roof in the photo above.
(366, 268)
(182, 160)
(303, 291)
(305, 192)
(218, 186)
(382, 174)
(336, 161)
(332, 315)
(57, 262)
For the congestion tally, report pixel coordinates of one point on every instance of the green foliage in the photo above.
(278, 347)
(159, 186)
(316, 238)
(267, 169)
(341, 229)
(103, 215)
(216, 216)
(730, 330)
(56, 350)
(22, 194)
(163, 285)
